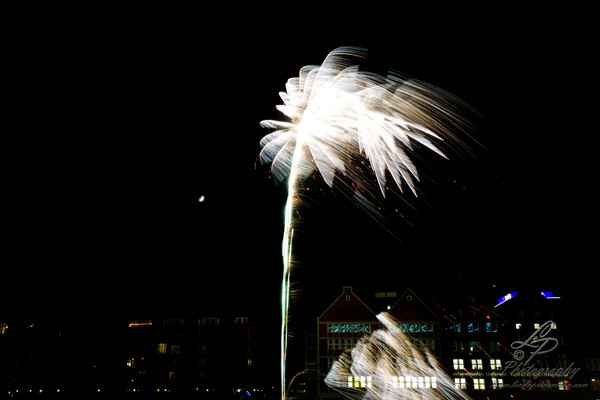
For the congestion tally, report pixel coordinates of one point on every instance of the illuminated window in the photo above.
(495, 364)
(477, 364)
(518, 326)
(208, 321)
(421, 382)
(3, 328)
(348, 328)
(497, 383)
(415, 327)
(564, 385)
(478, 384)
(130, 363)
(162, 348)
(140, 322)
(536, 326)
(460, 383)
(249, 362)
(360, 381)
(240, 321)
(458, 363)
(474, 345)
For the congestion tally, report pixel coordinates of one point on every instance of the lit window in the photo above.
(491, 327)
(3, 328)
(460, 383)
(140, 322)
(162, 348)
(495, 365)
(563, 385)
(360, 381)
(458, 363)
(240, 321)
(477, 364)
(208, 321)
(249, 362)
(474, 345)
(497, 383)
(432, 381)
(518, 326)
(478, 384)
(536, 326)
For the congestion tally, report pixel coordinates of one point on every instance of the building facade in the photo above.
(516, 345)
(339, 328)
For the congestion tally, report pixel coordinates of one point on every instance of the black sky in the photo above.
(120, 120)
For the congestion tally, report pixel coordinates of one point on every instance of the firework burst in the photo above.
(340, 119)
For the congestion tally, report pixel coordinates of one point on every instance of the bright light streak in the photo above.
(389, 366)
(342, 118)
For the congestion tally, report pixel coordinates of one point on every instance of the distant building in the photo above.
(340, 327)
(211, 356)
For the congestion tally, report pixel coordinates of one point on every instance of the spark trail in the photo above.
(340, 117)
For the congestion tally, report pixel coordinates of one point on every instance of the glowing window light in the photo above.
(458, 363)
(360, 381)
(495, 364)
(478, 384)
(140, 322)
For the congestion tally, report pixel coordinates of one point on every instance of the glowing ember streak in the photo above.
(340, 117)
(386, 365)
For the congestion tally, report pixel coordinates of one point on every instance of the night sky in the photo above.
(120, 121)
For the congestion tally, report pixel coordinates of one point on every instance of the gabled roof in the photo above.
(348, 307)
(409, 307)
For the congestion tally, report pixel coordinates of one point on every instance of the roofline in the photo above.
(337, 298)
(414, 294)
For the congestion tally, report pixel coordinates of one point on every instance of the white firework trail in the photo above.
(341, 118)
(386, 365)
